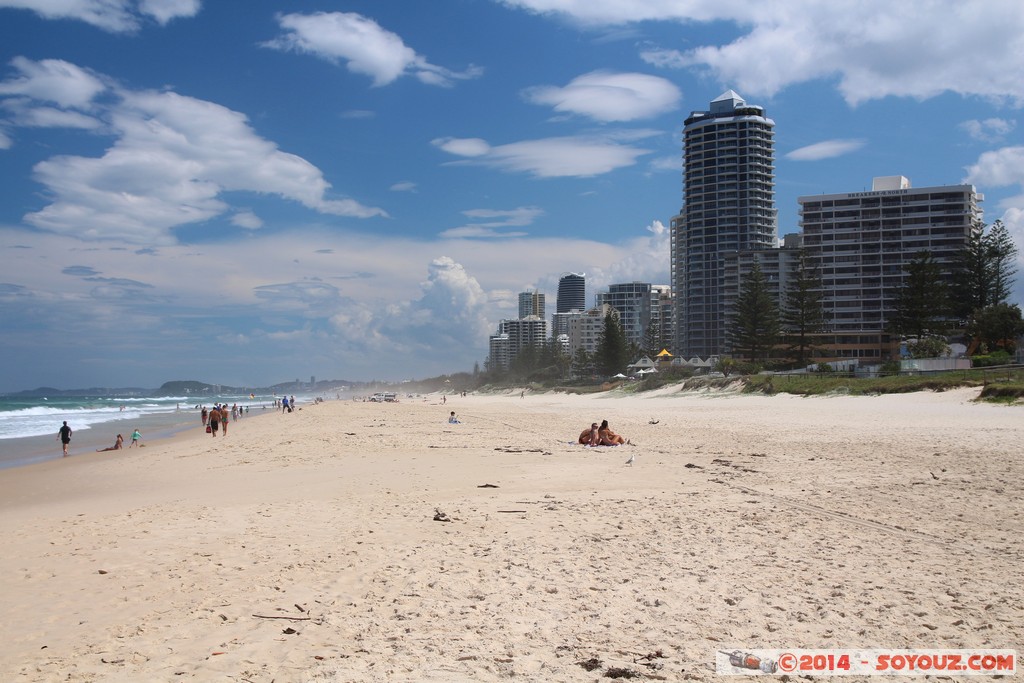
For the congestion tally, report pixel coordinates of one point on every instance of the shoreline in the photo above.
(29, 450)
(745, 521)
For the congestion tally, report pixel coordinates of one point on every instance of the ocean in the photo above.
(28, 426)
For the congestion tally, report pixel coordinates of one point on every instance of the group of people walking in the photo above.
(217, 418)
(601, 435)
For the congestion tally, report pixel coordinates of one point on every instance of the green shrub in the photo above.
(994, 358)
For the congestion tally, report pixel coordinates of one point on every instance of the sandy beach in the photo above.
(304, 546)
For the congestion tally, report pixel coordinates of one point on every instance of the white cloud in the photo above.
(827, 149)
(873, 49)
(53, 80)
(667, 164)
(500, 219)
(118, 16)
(247, 220)
(28, 116)
(364, 46)
(607, 96)
(463, 147)
(999, 167)
(581, 156)
(5, 140)
(404, 186)
(172, 159)
(989, 130)
(308, 298)
(166, 10)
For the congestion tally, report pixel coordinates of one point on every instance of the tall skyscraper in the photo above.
(531, 303)
(572, 293)
(728, 205)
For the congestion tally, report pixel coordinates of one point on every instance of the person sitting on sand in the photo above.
(608, 437)
(116, 447)
(452, 420)
(589, 437)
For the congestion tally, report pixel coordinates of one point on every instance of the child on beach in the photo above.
(452, 420)
(136, 435)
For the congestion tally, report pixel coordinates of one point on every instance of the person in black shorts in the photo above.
(64, 434)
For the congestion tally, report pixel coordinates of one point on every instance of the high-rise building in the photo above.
(662, 318)
(861, 244)
(633, 302)
(512, 337)
(728, 205)
(587, 327)
(572, 293)
(531, 303)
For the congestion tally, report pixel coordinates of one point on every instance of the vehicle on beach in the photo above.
(384, 397)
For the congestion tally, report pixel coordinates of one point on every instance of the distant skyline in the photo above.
(248, 192)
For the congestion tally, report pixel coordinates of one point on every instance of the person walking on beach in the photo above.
(224, 412)
(214, 420)
(204, 415)
(136, 435)
(64, 434)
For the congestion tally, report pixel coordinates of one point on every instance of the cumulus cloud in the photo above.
(117, 16)
(492, 222)
(608, 96)
(826, 149)
(363, 45)
(53, 80)
(989, 130)
(172, 160)
(872, 49)
(319, 298)
(450, 312)
(1001, 167)
(579, 156)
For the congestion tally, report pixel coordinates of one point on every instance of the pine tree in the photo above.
(985, 270)
(1004, 265)
(922, 304)
(582, 363)
(652, 340)
(754, 324)
(612, 354)
(803, 314)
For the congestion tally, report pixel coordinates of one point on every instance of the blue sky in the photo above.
(253, 192)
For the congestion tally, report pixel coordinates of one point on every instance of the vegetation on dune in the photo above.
(1006, 385)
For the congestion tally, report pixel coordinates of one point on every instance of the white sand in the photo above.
(747, 521)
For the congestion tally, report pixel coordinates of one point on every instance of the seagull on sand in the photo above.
(632, 459)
